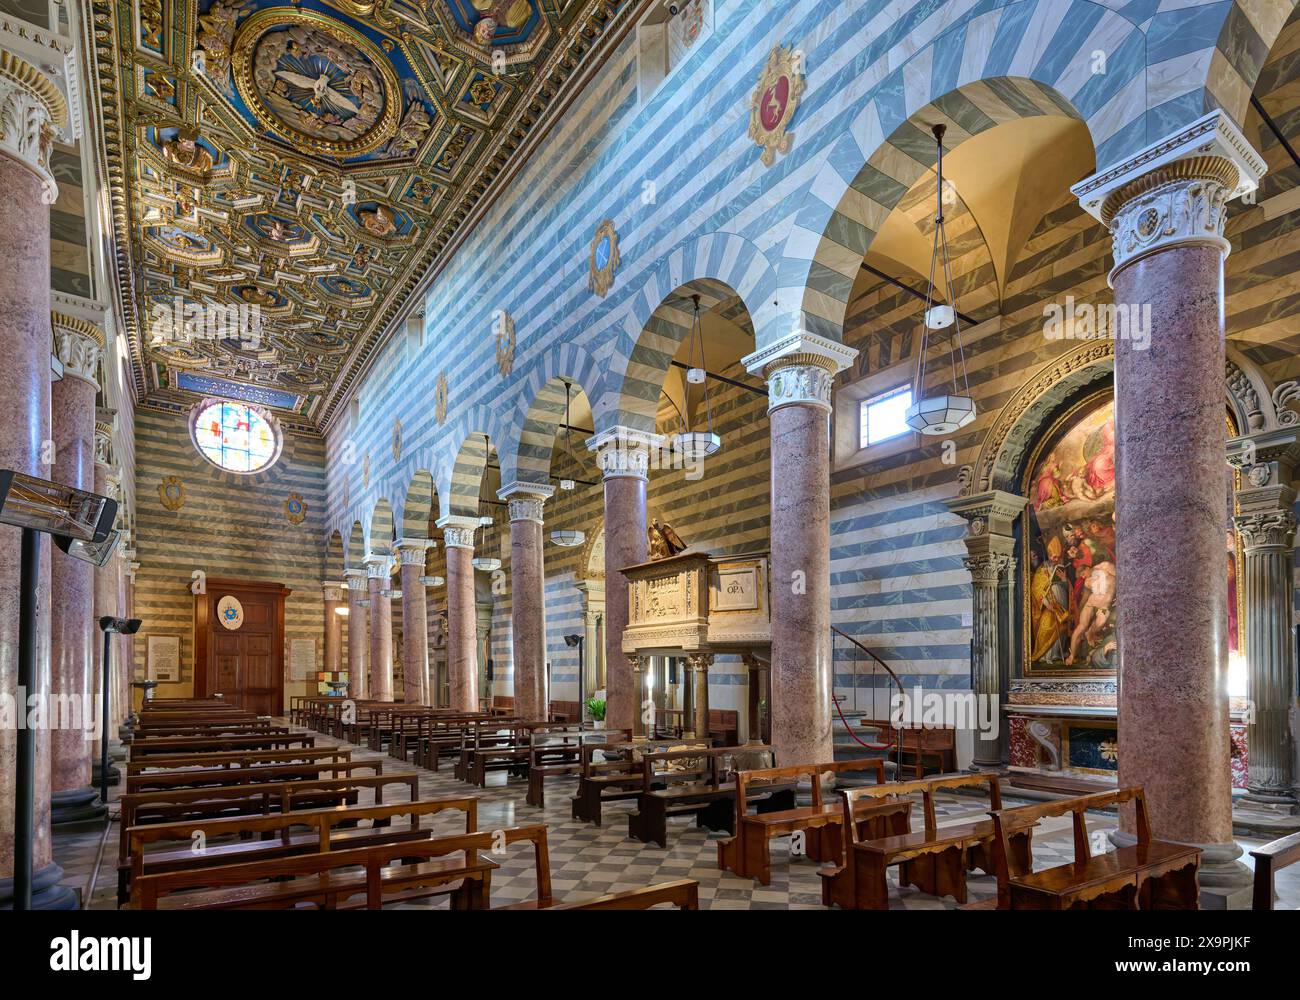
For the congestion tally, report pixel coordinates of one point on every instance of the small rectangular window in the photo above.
(881, 416)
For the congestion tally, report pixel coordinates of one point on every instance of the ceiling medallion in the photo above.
(315, 83)
(504, 329)
(440, 398)
(776, 98)
(603, 259)
(295, 508)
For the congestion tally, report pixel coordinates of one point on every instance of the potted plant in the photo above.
(596, 709)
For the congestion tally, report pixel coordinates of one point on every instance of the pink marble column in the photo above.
(415, 624)
(1170, 454)
(332, 593)
(358, 636)
(624, 461)
(800, 371)
(25, 402)
(462, 630)
(72, 581)
(381, 629)
(528, 598)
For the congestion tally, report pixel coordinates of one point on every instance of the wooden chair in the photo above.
(1269, 860)
(934, 859)
(1150, 875)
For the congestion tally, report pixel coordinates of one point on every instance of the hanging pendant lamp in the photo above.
(696, 445)
(944, 413)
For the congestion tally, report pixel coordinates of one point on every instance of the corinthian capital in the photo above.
(458, 531)
(987, 567)
(1174, 191)
(78, 344)
(1266, 529)
(33, 109)
(800, 369)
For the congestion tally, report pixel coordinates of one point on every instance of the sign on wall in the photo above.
(163, 657)
(302, 659)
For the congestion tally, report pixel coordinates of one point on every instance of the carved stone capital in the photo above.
(411, 553)
(1266, 529)
(78, 344)
(525, 500)
(33, 111)
(458, 531)
(356, 580)
(986, 568)
(1173, 192)
(624, 451)
(799, 385)
(379, 566)
(332, 592)
(103, 443)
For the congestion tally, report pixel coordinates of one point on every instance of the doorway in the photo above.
(239, 644)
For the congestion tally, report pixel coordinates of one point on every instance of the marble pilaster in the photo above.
(333, 596)
(528, 598)
(800, 371)
(358, 634)
(379, 574)
(1165, 210)
(462, 666)
(415, 621)
(624, 457)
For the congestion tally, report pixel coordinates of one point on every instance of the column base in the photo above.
(114, 775)
(47, 894)
(80, 805)
(1266, 816)
(1226, 883)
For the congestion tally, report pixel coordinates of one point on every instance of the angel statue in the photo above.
(494, 13)
(663, 541)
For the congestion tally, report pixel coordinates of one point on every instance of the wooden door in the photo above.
(245, 663)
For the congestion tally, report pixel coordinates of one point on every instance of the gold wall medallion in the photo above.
(440, 398)
(504, 329)
(171, 493)
(603, 259)
(397, 439)
(776, 98)
(295, 508)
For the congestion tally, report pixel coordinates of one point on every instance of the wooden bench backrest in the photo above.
(214, 778)
(1008, 822)
(926, 787)
(1269, 860)
(746, 780)
(237, 758)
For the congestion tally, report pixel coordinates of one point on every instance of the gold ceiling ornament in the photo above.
(603, 259)
(376, 10)
(171, 492)
(352, 107)
(504, 329)
(440, 398)
(774, 102)
(397, 439)
(295, 508)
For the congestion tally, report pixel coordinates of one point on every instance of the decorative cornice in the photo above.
(800, 349)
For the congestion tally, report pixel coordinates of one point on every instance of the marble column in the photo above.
(800, 370)
(73, 798)
(624, 457)
(695, 715)
(415, 622)
(379, 571)
(528, 598)
(990, 548)
(1266, 463)
(358, 635)
(31, 108)
(1165, 210)
(462, 633)
(332, 593)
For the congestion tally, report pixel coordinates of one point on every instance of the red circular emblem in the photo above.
(775, 99)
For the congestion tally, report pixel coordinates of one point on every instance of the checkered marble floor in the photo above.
(588, 860)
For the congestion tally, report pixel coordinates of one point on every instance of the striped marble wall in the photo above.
(69, 250)
(229, 526)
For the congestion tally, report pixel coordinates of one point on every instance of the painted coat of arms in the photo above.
(171, 493)
(603, 259)
(295, 508)
(776, 99)
(504, 329)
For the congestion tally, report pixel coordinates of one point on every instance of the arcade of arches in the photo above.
(506, 393)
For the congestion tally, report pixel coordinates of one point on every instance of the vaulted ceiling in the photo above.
(313, 160)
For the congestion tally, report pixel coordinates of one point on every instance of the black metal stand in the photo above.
(104, 673)
(24, 797)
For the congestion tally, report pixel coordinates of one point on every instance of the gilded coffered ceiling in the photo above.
(283, 175)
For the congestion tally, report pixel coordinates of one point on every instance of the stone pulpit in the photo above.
(691, 606)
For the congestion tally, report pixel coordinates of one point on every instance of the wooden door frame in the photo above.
(205, 634)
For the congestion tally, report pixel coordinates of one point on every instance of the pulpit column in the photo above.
(528, 598)
(358, 635)
(800, 370)
(32, 109)
(1266, 463)
(1165, 210)
(332, 593)
(379, 571)
(696, 714)
(462, 632)
(990, 547)
(624, 456)
(415, 621)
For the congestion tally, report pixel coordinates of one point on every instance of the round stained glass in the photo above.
(236, 437)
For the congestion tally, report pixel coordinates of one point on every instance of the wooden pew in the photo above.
(747, 852)
(566, 711)
(1269, 860)
(236, 758)
(539, 772)
(1150, 875)
(220, 847)
(615, 780)
(539, 743)
(208, 777)
(724, 726)
(934, 859)
(206, 744)
(927, 746)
